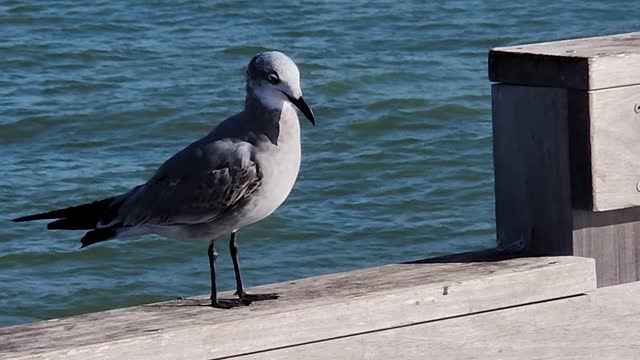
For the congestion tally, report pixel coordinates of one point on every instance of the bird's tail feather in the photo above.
(81, 217)
(76, 217)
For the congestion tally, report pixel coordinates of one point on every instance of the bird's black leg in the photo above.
(233, 249)
(216, 302)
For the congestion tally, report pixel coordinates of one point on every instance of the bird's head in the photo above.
(273, 78)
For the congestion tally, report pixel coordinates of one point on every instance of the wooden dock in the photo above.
(315, 315)
(520, 308)
(562, 284)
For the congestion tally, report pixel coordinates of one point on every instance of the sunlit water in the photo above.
(94, 98)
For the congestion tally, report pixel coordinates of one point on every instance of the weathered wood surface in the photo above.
(585, 64)
(531, 164)
(615, 147)
(566, 156)
(310, 310)
(612, 238)
(601, 325)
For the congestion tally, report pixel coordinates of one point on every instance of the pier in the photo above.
(562, 283)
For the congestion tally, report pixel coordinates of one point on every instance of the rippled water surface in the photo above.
(94, 98)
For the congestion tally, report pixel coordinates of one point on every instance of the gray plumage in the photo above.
(236, 175)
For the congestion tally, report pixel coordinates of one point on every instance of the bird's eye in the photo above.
(273, 78)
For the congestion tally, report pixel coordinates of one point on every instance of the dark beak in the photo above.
(306, 110)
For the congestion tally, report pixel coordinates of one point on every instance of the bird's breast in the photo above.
(279, 166)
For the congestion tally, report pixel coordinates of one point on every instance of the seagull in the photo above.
(236, 175)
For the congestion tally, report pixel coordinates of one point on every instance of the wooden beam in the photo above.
(584, 64)
(532, 172)
(601, 325)
(313, 309)
(615, 147)
(611, 238)
(567, 151)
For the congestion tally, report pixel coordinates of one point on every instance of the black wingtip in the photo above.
(97, 235)
(72, 224)
(28, 218)
(85, 212)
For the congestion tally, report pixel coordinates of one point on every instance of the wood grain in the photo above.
(601, 325)
(312, 309)
(615, 147)
(571, 128)
(584, 64)
(612, 238)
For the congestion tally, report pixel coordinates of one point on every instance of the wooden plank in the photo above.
(532, 172)
(585, 64)
(312, 309)
(612, 238)
(615, 147)
(601, 325)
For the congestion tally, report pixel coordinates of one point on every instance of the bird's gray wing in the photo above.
(197, 185)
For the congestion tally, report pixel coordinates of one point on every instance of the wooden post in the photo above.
(566, 119)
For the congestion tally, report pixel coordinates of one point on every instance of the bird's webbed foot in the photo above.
(229, 303)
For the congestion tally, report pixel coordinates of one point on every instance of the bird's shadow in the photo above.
(191, 302)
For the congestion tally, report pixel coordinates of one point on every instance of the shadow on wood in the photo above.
(488, 255)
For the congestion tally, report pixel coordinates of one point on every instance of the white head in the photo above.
(273, 78)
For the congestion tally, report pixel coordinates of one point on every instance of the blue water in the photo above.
(94, 98)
